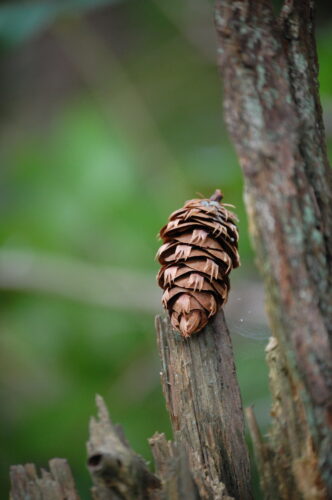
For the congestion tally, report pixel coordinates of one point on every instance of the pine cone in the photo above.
(199, 251)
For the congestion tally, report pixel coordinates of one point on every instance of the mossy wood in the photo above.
(272, 108)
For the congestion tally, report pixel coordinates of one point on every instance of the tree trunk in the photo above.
(272, 108)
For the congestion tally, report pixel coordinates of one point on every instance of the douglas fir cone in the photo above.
(199, 251)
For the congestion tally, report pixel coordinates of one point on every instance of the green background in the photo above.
(111, 117)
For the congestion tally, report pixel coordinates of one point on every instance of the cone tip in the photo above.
(217, 195)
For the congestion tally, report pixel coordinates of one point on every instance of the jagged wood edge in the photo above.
(203, 400)
(116, 470)
(55, 484)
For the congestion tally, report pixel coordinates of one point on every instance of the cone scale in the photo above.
(199, 250)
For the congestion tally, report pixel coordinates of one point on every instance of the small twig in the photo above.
(255, 433)
(217, 195)
(105, 286)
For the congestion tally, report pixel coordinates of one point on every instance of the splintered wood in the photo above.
(203, 400)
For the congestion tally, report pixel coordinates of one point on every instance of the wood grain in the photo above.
(204, 403)
(55, 484)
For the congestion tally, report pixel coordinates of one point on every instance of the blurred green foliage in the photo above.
(94, 161)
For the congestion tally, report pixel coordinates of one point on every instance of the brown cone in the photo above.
(199, 251)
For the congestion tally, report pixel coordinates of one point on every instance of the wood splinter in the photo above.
(117, 471)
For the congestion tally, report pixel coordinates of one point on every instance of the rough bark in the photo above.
(273, 457)
(56, 484)
(204, 403)
(272, 109)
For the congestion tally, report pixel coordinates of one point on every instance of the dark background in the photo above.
(111, 117)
